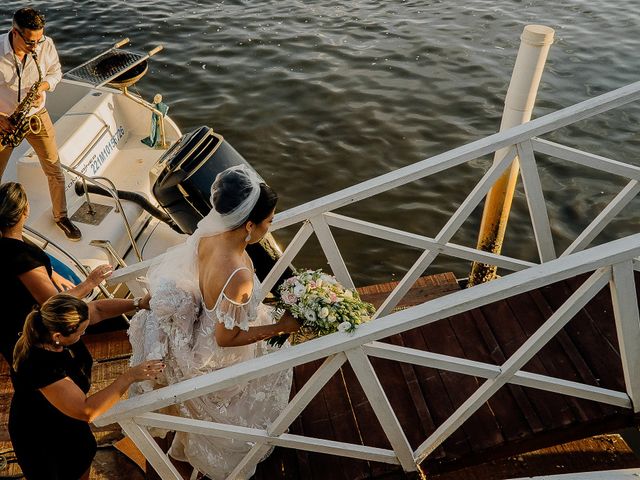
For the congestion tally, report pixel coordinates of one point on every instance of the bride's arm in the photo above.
(111, 307)
(239, 291)
(237, 337)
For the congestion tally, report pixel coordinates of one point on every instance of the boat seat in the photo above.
(86, 136)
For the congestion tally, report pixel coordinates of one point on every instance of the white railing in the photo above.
(612, 263)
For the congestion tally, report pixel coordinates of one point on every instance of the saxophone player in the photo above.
(27, 58)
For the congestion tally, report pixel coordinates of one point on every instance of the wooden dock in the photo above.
(516, 420)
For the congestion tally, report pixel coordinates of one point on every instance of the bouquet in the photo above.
(321, 304)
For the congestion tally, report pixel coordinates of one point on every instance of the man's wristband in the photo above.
(136, 303)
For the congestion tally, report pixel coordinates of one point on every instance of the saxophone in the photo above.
(23, 123)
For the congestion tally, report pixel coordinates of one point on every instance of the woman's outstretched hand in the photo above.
(148, 370)
(100, 273)
(61, 283)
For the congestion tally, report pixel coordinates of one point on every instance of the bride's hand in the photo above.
(288, 324)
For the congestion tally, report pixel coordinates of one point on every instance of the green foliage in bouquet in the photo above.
(321, 304)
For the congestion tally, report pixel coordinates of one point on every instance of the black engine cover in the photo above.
(188, 169)
(185, 174)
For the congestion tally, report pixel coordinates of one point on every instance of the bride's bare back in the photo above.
(218, 258)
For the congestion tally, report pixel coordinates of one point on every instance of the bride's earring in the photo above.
(248, 237)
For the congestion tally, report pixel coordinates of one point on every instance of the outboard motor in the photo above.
(182, 180)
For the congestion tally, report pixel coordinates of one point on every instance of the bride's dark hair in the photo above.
(231, 189)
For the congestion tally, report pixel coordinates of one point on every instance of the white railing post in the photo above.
(330, 248)
(287, 257)
(151, 451)
(625, 309)
(535, 201)
(628, 193)
(380, 404)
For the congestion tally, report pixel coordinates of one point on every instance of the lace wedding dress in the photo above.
(181, 330)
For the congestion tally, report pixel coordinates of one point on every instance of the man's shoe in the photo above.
(72, 232)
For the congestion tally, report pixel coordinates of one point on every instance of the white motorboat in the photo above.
(111, 173)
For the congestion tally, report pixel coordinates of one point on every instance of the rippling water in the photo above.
(321, 95)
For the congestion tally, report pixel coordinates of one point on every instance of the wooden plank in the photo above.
(405, 284)
(513, 412)
(410, 414)
(329, 416)
(282, 463)
(440, 337)
(424, 289)
(554, 359)
(436, 396)
(370, 383)
(424, 423)
(625, 309)
(412, 394)
(297, 404)
(315, 423)
(151, 451)
(369, 428)
(108, 345)
(301, 457)
(428, 312)
(578, 370)
(509, 337)
(539, 415)
(423, 383)
(345, 424)
(593, 453)
(600, 310)
(601, 357)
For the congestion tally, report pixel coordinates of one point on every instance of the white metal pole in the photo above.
(521, 96)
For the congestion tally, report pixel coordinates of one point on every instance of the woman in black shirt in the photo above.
(50, 410)
(27, 278)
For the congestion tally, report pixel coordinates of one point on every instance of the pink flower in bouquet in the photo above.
(289, 298)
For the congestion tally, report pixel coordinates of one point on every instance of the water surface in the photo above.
(321, 95)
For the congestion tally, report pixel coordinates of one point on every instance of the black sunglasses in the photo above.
(30, 43)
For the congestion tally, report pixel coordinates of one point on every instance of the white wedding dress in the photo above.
(180, 330)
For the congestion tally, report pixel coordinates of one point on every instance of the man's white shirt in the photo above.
(9, 77)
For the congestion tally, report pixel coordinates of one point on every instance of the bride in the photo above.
(206, 314)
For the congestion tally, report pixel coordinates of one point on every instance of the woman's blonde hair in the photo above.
(13, 203)
(62, 314)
